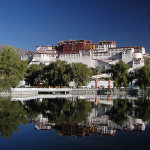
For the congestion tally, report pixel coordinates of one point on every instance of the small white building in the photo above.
(101, 84)
(44, 54)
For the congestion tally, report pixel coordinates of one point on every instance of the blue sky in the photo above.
(29, 23)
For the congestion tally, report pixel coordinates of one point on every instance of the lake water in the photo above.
(65, 123)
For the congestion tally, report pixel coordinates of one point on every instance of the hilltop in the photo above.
(18, 50)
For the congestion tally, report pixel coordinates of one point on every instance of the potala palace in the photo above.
(101, 54)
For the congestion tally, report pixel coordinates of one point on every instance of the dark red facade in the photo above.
(73, 46)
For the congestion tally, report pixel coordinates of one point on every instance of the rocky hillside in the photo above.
(18, 50)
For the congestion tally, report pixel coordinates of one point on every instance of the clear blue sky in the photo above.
(29, 23)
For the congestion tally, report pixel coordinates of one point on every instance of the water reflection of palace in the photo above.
(76, 116)
(42, 123)
(98, 122)
(99, 118)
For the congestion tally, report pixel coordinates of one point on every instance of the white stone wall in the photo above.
(77, 58)
(101, 55)
(127, 55)
(138, 55)
(102, 65)
(137, 63)
(143, 50)
(43, 58)
(26, 57)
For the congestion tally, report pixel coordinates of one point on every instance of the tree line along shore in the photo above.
(60, 73)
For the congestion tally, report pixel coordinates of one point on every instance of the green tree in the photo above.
(81, 74)
(12, 69)
(12, 114)
(142, 76)
(58, 73)
(34, 74)
(119, 74)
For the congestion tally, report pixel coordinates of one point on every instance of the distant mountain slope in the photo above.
(18, 50)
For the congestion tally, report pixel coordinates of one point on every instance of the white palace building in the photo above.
(101, 54)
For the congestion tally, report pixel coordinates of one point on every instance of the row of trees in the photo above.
(122, 77)
(58, 73)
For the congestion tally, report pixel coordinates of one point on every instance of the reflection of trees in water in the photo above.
(119, 111)
(12, 114)
(60, 110)
(142, 109)
(122, 108)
